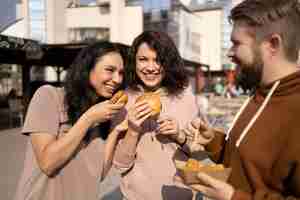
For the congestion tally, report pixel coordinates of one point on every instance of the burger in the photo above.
(119, 97)
(153, 100)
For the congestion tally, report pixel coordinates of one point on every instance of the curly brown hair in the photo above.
(175, 79)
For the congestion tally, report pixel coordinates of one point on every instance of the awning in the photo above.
(22, 51)
(30, 52)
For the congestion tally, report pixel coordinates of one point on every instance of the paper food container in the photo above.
(189, 176)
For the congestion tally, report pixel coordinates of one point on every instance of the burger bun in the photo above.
(153, 100)
(119, 97)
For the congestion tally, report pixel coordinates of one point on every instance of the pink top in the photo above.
(149, 173)
(80, 177)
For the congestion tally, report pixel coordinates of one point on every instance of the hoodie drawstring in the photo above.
(254, 118)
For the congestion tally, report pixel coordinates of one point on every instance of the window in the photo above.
(86, 34)
(37, 18)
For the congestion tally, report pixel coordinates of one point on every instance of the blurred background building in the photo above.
(75, 21)
(199, 28)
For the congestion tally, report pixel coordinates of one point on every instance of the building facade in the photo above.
(112, 20)
(64, 21)
(199, 28)
(44, 20)
(75, 21)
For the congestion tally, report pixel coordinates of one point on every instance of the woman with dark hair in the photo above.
(144, 156)
(175, 78)
(70, 148)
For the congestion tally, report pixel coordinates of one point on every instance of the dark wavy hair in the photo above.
(175, 79)
(79, 94)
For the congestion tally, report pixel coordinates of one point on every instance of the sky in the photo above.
(7, 11)
(8, 8)
(86, 1)
(155, 4)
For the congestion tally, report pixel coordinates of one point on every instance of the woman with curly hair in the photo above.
(144, 157)
(70, 148)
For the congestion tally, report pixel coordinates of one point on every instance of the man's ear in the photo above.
(274, 43)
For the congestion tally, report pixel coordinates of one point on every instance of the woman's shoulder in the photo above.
(49, 92)
(46, 104)
(187, 92)
(46, 89)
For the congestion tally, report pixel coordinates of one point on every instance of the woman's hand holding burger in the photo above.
(102, 112)
(106, 110)
(146, 106)
(137, 114)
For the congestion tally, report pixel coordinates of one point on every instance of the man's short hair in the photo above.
(272, 16)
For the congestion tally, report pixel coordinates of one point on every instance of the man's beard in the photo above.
(249, 75)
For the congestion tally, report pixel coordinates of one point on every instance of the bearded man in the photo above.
(262, 146)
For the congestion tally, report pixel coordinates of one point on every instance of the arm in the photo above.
(126, 149)
(200, 135)
(289, 186)
(110, 146)
(53, 152)
(219, 190)
(216, 145)
(262, 195)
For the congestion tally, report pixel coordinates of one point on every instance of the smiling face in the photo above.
(148, 68)
(107, 74)
(246, 54)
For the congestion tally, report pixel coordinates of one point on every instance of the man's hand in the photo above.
(214, 188)
(198, 134)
